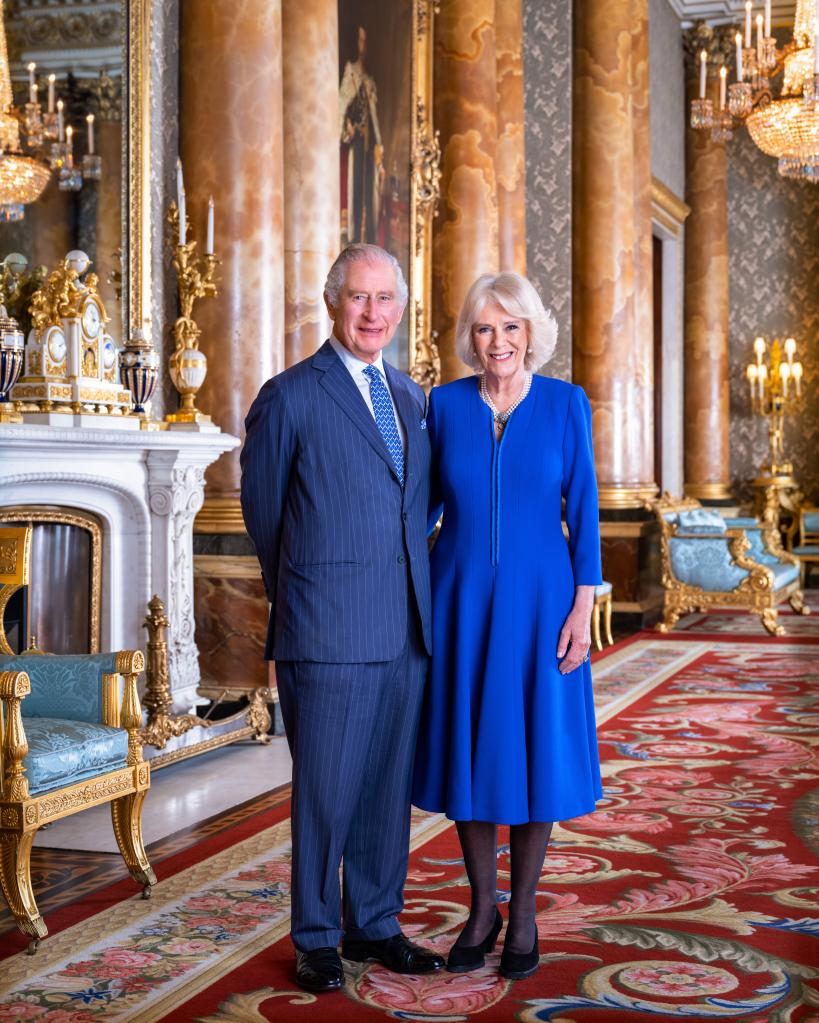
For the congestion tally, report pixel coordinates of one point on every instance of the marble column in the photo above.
(108, 140)
(611, 244)
(311, 178)
(706, 393)
(510, 163)
(231, 148)
(465, 232)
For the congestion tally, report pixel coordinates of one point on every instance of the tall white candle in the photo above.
(180, 184)
(183, 226)
(32, 82)
(60, 128)
(90, 122)
(767, 19)
(723, 75)
(703, 72)
(759, 38)
(69, 141)
(739, 56)
(51, 80)
(209, 243)
(748, 23)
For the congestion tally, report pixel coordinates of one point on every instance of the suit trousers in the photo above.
(352, 732)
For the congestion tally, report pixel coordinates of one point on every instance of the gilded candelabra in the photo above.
(196, 279)
(776, 385)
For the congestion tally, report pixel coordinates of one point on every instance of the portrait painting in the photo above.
(375, 126)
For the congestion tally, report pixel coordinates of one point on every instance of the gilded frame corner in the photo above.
(425, 189)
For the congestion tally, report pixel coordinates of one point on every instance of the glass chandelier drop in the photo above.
(786, 127)
(22, 179)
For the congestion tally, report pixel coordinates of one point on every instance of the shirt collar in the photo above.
(353, 364)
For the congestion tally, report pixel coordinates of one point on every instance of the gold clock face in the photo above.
(56, 345)
(91, 320)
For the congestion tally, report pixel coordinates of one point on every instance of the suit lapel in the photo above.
(408, 413)
(341, 387)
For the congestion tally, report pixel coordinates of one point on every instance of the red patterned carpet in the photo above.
(693, 892)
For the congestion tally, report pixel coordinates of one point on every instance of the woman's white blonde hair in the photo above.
(517, 297)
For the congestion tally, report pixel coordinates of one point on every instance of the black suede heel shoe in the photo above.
(466, 958)
(517, 965)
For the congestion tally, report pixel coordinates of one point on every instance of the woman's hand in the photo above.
(575, 636)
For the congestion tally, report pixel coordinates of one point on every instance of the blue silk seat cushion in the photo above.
(705, 562)
(784, 573)
(810, 522)
(63, 685)
(809, 549)
(63, 752)
(701, 521)
(743, 522)
(602, 589)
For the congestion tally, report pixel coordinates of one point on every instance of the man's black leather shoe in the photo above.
(397, 953)
(319, 969)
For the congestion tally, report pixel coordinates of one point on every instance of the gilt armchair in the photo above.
(806, 548)
(708, 562)
(69, 739)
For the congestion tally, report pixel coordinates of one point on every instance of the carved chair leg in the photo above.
(769, 619)
(607, 620)
(671, 616)
(15, 879)
(126, 816)
(796, 600)
(595, 627)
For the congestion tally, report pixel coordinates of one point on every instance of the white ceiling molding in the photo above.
(723, 12)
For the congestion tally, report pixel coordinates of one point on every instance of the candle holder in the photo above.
(740, 99)
(70, 179)
(50, 126)
(776, 386)
(57, 155)
(33, 125)
(91, 167)
(768, 53)
(722, 128)
(702, 113)
(187, 365)
(810, 94)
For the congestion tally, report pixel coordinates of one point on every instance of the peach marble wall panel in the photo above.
(612, 235)
(231, 144)
(706, 416)
(510, 162)
(311, 179)
(109, 217)
(231, 626)
(50, 226)
(465, 232)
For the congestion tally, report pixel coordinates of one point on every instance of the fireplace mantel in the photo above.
(146, 488)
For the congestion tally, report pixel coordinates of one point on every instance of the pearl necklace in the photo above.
(502, 418)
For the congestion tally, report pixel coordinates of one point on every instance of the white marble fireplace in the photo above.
(145, 488)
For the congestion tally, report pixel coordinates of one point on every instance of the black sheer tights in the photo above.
(527, 844)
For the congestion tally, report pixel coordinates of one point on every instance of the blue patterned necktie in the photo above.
(385, 419)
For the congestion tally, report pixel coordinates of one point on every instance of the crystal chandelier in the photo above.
(22, 179)
(786, 127)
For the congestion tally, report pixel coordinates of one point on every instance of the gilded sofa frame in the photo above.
(756, 591)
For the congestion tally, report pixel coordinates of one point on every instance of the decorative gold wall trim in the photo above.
(83, 520)
(223, 566)
(667, 208)
(425, 189)
(136, 233)
(626, 495)
(708, 491)
(220, 515)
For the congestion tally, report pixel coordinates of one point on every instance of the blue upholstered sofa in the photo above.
(710, 561)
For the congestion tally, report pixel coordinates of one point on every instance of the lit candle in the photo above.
(739, 56)
(750, 373)
(183, 227)
(796, 373)
(723, 75)
(90, 122)
(60, 129)
(759, 38)
(69, 141)
(785, 375)
(51, 80)
(180, 184)
(209, 243)
(767, 19)
(790, 348)
(759, 349)
(32, 82)
(748, 23)
(703, 72)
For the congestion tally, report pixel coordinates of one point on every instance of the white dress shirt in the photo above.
(356, 369)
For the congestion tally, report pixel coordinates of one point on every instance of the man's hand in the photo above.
(575, 636)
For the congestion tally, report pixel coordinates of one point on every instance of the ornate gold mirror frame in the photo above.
(136, 227)
(425, 363)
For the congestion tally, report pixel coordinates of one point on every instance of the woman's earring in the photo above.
(529, 349)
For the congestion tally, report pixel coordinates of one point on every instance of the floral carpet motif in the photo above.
(692, 893)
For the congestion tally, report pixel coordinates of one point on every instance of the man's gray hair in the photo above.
(357, 253)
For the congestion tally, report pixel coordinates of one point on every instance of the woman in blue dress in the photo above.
(507, 732)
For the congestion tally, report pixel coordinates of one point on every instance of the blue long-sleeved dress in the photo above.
(504, 736)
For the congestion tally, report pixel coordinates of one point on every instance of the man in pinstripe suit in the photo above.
(335, 489)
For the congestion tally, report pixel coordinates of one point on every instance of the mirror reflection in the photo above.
(61, 139)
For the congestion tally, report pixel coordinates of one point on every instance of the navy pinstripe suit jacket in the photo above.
(336, 535)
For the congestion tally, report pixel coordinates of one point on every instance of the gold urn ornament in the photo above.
(70, 376)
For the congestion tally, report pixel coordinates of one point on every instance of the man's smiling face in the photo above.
(369, 308)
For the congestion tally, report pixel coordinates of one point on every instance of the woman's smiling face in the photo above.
(500, 342)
